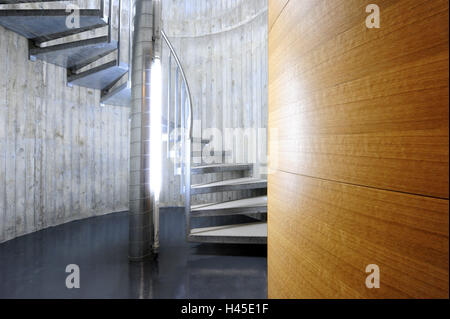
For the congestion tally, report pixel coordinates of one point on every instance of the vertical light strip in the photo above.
(155, 128)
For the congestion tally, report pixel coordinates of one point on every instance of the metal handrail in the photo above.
(183, 75)
(187, 142)
(131, 14)
(118, 26)
(102, 8)
(118, 33)
(110, 21)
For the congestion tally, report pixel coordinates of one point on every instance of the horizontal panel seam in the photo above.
(366, 186)
(276, 19)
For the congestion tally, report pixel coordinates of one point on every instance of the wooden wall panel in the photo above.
(358, 124)
(322, 234)
(366, 100)
(275, 8)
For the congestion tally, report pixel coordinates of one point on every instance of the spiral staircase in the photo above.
(180, 110)
(88, 50)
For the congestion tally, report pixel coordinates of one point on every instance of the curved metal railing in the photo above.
(185, 115)
(183, 75)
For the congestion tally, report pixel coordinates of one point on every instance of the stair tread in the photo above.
(71, 54)
(236, 181)
(25, 1)
(221, 165)
(240, 203)
(258, 229)
(210, 154)
(120, 96)
(200, 140)
(101, 78)
(217, 168)
(33, 23)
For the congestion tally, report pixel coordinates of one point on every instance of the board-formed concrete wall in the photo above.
(222, 45)
(62, 156)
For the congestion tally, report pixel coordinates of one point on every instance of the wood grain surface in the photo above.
(275, 8)
(323, 234)
(358, 125)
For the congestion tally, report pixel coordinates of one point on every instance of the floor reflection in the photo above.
(33, 266)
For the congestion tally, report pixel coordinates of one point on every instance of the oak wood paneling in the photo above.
(323, 234)
(275, 8)
(363, 106)
(358, 125)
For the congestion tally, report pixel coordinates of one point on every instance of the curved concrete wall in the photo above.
(62, 156)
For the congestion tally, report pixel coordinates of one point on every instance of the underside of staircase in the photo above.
(51, 39)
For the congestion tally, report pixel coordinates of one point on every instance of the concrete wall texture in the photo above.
(62, 156)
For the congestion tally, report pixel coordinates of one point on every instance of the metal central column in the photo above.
(141, 218)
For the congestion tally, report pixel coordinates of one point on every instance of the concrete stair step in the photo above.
(237, 184)
(26, 1)
(78, 67)
(71, 54)
(99, 77)
(235, 207)
(248, 233)
(210, 154)
(194, 140)
(120, 96)
(41, 23)
(200, 140)
(220, 168)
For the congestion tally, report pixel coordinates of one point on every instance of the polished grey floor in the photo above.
(33, 266)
